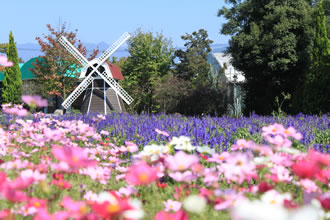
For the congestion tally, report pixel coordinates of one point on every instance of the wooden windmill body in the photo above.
(98, 91)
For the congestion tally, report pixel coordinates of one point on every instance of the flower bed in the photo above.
(216, 132)
(132, 167)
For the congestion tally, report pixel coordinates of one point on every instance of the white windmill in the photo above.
(96, 70)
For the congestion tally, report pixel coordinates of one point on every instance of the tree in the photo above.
(271, 44)
(203, 96)
(151, 58)
(56, 71)
(316, 86)
(192, 64)
(12, 82)
(171, 92)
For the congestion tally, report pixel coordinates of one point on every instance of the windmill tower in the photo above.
(101, 91)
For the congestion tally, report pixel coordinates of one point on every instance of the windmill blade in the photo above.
(106, 54)
(116, 87)
(76, 93)
(69, 47)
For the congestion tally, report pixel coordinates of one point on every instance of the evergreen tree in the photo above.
(316, 88)
(271, 44)
(12, 82)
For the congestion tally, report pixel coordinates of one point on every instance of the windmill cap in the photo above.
(115, 70)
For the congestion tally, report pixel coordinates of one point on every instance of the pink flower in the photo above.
(90, 196)
(76, 208)
(141, 174)
(219, 158)
(291, 132)
(34, 101)
(16, 110)
(181, 161)
(126, 191)
(164, 133)
(309, 186)
(306, 168)
(241, 144)
(12, 194)
(131, 147)
(109, 205)
(43, 214)
(186, 176)
(180, 215)
(5, 214)
(273, 130)
(5, 62)
(171, 205)
(75, 157)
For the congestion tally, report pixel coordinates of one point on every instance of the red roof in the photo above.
(116, 73)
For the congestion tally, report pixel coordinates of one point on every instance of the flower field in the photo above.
(123, 166)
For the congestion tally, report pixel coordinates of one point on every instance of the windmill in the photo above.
(97, 71)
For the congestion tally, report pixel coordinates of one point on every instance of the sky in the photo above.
(106, 20)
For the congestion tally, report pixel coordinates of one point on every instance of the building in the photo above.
(223, 72)
(113, 100)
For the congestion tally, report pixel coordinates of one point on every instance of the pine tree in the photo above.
(12, 82)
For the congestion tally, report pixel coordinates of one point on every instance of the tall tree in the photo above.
(201, 96)
(192, 64)
(57, 70)
(316, 88)
(271, 44)
(12, 82)
(151, 58)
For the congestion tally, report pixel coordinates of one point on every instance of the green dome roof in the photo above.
(27, 74)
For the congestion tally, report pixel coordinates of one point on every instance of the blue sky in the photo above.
(105, 20)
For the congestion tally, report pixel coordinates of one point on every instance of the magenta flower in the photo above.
(141, 174)
(34, 101)
(75, 157)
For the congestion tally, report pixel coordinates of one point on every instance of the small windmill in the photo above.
(96, 70)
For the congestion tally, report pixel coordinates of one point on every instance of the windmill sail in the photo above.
(106, 54)
(116, 87)
(67, 45)
(76, 93)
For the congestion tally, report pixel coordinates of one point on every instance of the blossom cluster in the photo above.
(66, 169)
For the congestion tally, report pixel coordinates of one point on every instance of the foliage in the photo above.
(57, 70)
(316, 86)
(205, 95)
(271, 44)
(12, 82)
(280, 114)
(151, 58)
(3, 47)
(192, 65)
(171, 91)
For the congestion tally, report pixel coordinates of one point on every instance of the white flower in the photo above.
(153, 151)
(261, 160)
(137, 212)
(182, 143)
(306, 213)
(106, 196)
(205, 149)
(258, 210)
(195, 204)
(273, 197)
